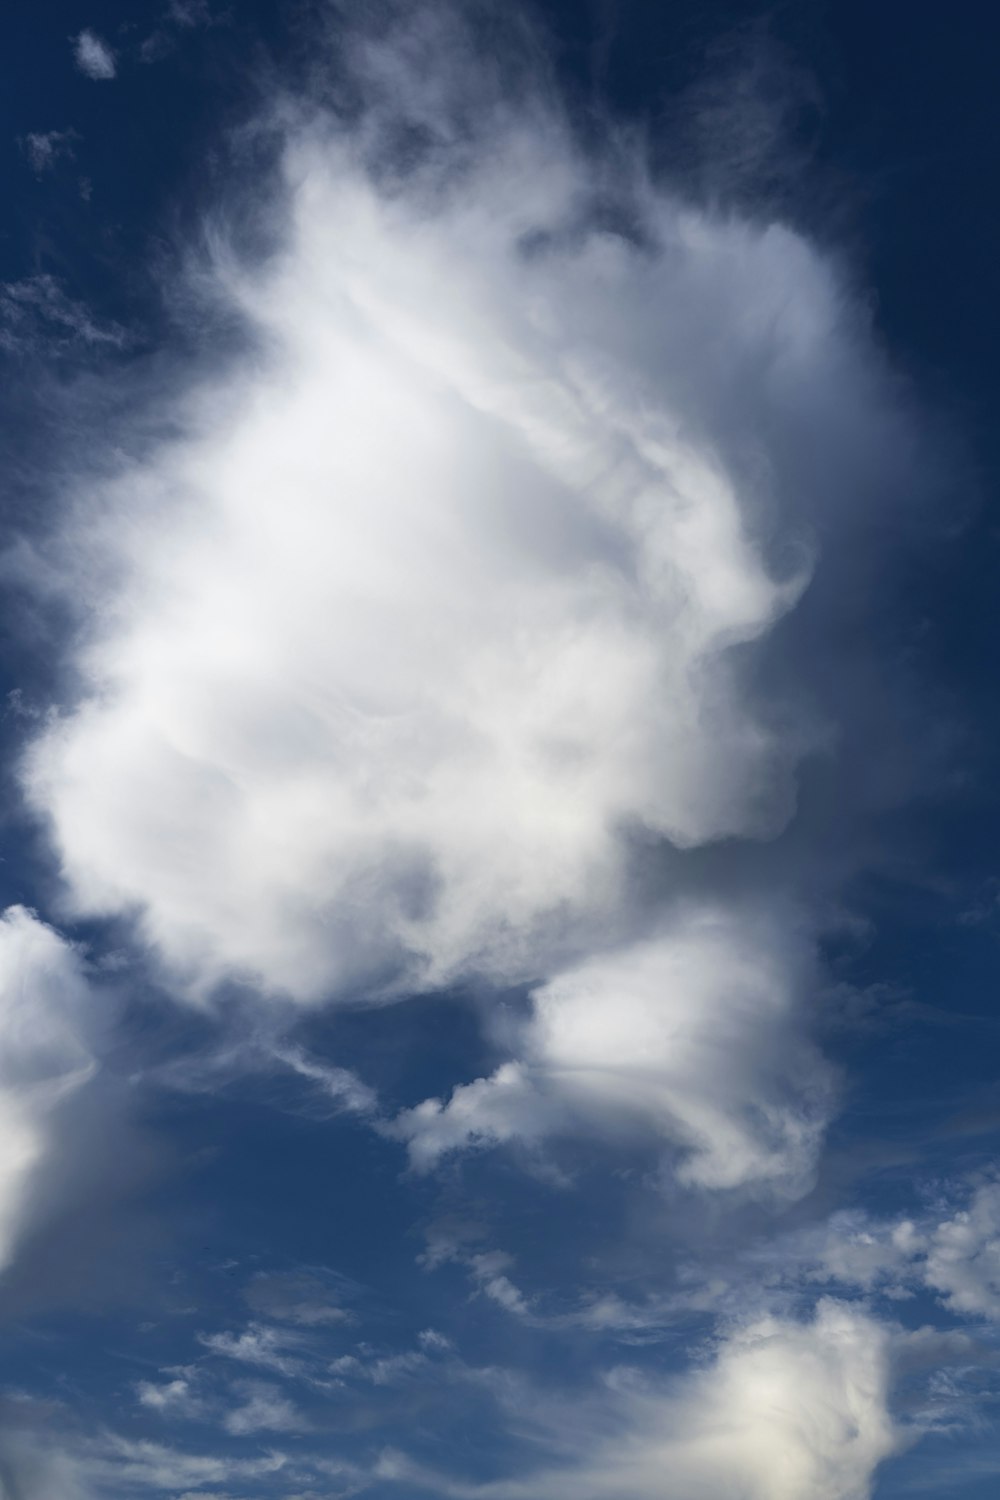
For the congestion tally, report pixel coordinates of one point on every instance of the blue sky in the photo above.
(499, 906)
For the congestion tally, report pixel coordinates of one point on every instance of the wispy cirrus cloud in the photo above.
(38, 315)
(949, 1247)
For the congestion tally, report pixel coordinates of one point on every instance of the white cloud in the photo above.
(179, 17)
(189, 13)
(277, 1349)
(264, 1409)
(45, 148)
(434, 629)
(38, 312)
(951, 1249)
(46, 1016)
(116, 1462)
(692, 1036)
(299, 1297)
(341, 1087)
(963, 1255)
(785, 1410)
(788, 1411)
(171, 1398)
(855, 1250)
(435, 602)
(489, 1273)
(34, 1469)
(93, 56)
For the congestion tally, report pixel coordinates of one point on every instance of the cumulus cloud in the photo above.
(952, 1250)
(46, 1019)
(785, 1410)
(430, 643)
(963, 1255)
(440, 600)
(170, 1398)
(403, 718)
(277, 1349)
(264, 1408)
(93, 56)
(691, 1036)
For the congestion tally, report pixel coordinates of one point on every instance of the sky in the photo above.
(499, 914)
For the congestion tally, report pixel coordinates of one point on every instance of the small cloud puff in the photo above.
(93, 56)
(44, 149)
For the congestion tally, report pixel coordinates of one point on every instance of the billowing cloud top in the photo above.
(435, 611)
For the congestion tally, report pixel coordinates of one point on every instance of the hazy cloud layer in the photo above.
(46, 1020)
(445, 598)
(37, 315)
(777, 1409)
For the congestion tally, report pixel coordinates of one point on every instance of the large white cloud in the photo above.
(435, 601)
(436, 621)
(788, 1412)
(46, 1024)
(692, 1036)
